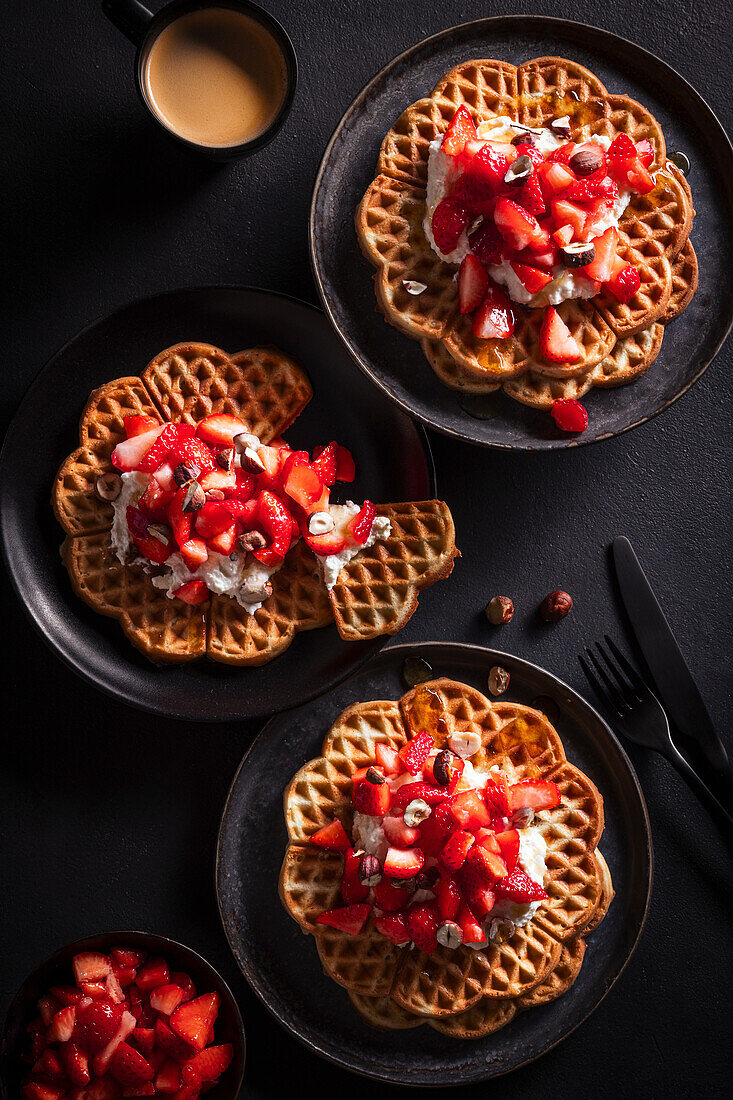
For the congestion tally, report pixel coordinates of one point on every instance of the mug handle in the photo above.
(130, 17)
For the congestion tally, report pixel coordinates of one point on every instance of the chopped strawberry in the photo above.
(223, 543)
(194, 553)
(602, 265)
(487, 244)
(530, 197)
(482, 868)
(557, 345)
(49, 1065)
(90, 966)
(645, 152)
(209, 1064)
(495, 797)
(150, 547)
(75, 1062)
(624, 283)
(192, 592)
(472, 930)
(323, 545)
(42, 1090)
(531, 278)
(172, 1045)
(168, 1077)
(274, 520)
(61, 1027)
(143, 1039)
(430, 794)
(473, 282)
(422, 924)
(223, 480)
(469, 811)
(460, 130)
(495, 318)
(621, 153)
(433, 836)
(518, 228)
(480, 899)
(352, 890)
(67, 994)
(597, 186)
(212, 519)
(192, 452)
(402, 863)
(128, 1066)
(152, 974)
(393, 926)
(130, 452)
(194, 1020)
(388, 896)
(360, 527)
(474, 194)
(562, 154)
(345, 467)
(96, 1024)
(569, 415)
(565, 212)
(184, 982)
(531, 151)
(388, 759)
(414, 754)
(166, 998)
(487, 839)
(508, 842)
(448, 897)
(456, 849)
(126, 1027)
(167, 440)
(491, 164)
(534, 794)
(596, 219)
(563, 235)
(350, 919)
(398, 834)
(138, 425)
(332, 837)
(325, 463)
(220, 428)
(518, 886)
(303, 485)
(449, 222)
(372, 795)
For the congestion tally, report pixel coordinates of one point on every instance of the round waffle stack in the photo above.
(618, 341)
(464, 993)
(375, 594)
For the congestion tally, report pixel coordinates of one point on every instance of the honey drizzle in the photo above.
(426, 714)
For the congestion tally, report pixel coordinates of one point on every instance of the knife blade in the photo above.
(677, 688)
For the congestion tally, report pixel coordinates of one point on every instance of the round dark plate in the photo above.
(393, 361)
(392, 457)
(57, 971)
(283, 968)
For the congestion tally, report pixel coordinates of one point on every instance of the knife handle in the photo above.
(716, 809)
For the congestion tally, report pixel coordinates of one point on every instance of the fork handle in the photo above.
(716, 809)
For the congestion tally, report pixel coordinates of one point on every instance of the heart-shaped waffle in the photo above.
(653, 231)
(375, 594)
(463, 993)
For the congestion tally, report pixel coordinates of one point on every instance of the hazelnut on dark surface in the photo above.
(555, 606)
(498, 680)
(499, 610)
(108, 486)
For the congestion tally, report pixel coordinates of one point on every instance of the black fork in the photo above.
(639, 715)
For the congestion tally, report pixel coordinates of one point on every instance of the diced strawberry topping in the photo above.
(460, 130)
(469, 811)
(487, 244)
(531, 278)
(388, 759)
(220, 428)
(209, 1064)
(473, 282)
(470, 927)
(400, 835)
(360, 527)
(518, 886)
(393, 926)
(388, 896)
(325, 464)
(422, 924)
(557, 345)
(569, 415)
(624, 283)
(350, 919)
(403, 863)
(456, 849)
(495, 318)
(332, 836)
(352, 890)
(138, 425)
(508, 843)
(491, 164)
(372, 795)
(414, 754)
(518, 228)
(274, 519)
(192, 592)
(449, 221)
(448, 897)
(535, 794)
(194, 1020)
(530, 197)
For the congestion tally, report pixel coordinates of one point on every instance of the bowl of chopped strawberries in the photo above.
(118, 1015)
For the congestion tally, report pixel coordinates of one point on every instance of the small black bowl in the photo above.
(57, 971)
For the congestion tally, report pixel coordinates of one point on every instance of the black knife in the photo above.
(677, 689)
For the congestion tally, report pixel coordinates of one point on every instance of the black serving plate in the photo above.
(392, 360)
(392, 457)
(57, 971)
(283, 967)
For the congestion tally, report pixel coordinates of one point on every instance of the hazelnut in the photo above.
(442, 770)
(225, 459)
(586, 161)
(465, 743)
(161, 532)
(499, 610)
(561, 125)
(525, 138)
(214, 494)
(518, 171)
(320, 523)
(501, 929)
(555, 606)
(415, 811)
(249, 460)
(375, 777)
(450, 934)
(498, 680)
(194, 497)
(183, 474)
(108, 486)
(256, 591)
(251, 540)
(370, 871)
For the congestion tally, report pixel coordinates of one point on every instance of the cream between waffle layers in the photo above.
(191, 520)
(528, 229)
(443, 854)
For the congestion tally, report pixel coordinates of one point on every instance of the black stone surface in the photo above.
(108, 818)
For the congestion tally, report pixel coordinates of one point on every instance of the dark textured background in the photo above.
(108, 818)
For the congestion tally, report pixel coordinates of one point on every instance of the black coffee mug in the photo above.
(143, 28)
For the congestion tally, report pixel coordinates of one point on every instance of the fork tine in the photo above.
(617, 697)
(626, 665)
(596, 684)
(630, 696)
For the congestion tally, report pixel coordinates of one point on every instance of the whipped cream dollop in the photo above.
(443, 173)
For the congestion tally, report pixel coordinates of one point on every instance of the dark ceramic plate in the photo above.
(283, 967)
(393, 463)
(394, 362)
(57, 971)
